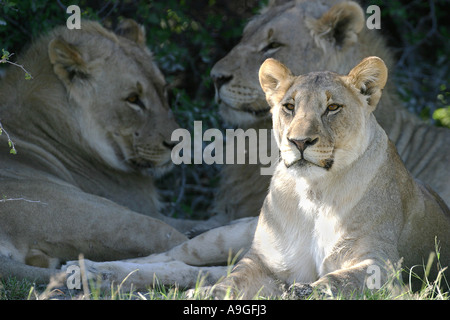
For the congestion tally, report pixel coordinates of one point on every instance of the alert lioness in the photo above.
(312, 36)
(91, 130)
(340, 200)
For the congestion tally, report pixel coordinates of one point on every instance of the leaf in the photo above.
(442, 116)
(5, 54)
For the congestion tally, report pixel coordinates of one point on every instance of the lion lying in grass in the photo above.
(341, 200)
(92, 129)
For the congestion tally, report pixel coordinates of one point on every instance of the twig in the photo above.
(5, 59)
(10, 142)
(22, 199)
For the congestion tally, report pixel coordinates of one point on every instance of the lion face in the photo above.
(320, 119)
(118, 98)
(297, 34)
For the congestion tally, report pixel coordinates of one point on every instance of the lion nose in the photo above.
(169, 144)
(302, 144)
(220, 80)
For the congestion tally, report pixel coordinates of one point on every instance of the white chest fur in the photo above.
(299, 232)
(296, 247)
(319, 213)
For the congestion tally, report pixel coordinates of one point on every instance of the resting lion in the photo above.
(91, 130)
(341, 199)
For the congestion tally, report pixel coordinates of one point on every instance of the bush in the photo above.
(418, 32)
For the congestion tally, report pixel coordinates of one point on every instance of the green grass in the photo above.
(425, 289)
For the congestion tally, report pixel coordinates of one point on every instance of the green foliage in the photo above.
(24, 20)
(418, 31)
(5, 54)
(442, 115)
(13, 289)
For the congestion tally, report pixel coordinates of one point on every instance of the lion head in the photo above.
(304, 35)
(96, 95)
(321, 119)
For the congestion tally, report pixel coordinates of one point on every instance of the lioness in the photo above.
(341, 199)
(91, 130)
(310, 36)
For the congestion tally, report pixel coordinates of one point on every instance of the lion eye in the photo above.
(333, 107)
(289, 106)
(135, 100)
(271, 46)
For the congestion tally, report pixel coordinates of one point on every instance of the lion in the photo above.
(92, 131)
(310, 36)
(341, 200)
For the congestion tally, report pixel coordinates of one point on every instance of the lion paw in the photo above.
(297, 291)
(96, 273)
(207, 292)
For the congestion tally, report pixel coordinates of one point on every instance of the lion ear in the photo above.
(339, 26)
(274, 77)
(369, 77)
(131, 30)
(67, 60)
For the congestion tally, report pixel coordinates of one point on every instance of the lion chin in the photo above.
(244, 115)
(150, 168)
(303, 163)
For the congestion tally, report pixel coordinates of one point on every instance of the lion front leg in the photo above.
(249, 279)
(127, 275)
(369, 274)
(214, 247)
(183, 265)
